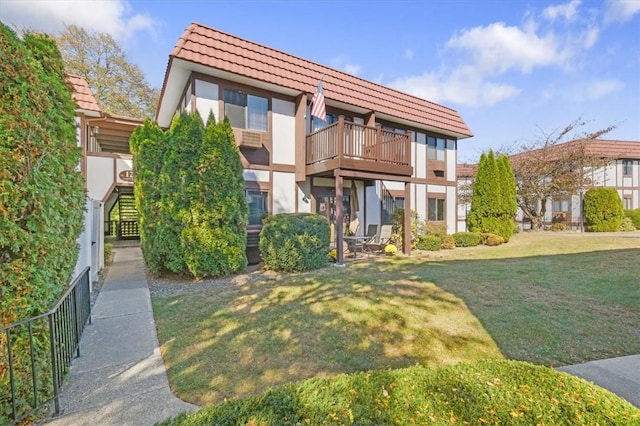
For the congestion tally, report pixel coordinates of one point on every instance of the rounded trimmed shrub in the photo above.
(448, 242)
(489, 239)
(293, 242)
(603, 209)
(428, 242)
(467, 239)
(490, 392)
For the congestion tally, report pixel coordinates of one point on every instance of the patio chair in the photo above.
(370, 237)
(383, 239)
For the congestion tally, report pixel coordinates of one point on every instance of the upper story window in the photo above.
(317, 124)
(627, 167)
(436, 148)
(246, 111)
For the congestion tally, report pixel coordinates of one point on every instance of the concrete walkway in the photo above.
(120, 378)
(619, 375)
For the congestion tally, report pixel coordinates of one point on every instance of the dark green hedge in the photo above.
(603, 210)
(41, 199)
(467, 239)
(491, 392)
(293, 242)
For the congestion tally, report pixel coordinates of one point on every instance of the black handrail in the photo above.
(65, 321)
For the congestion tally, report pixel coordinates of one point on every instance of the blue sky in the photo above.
(515, 70)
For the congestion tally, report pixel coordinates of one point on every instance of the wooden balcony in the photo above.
(351, 146)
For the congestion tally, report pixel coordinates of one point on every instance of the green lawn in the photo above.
(547, 298)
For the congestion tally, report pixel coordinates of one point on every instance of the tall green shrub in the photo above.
(215, 237)
(192, 205)
(603, 210)
(148, 145)
(41, 199)
(493, 203)
(294, 242)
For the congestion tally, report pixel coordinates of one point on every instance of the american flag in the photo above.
(318, 108)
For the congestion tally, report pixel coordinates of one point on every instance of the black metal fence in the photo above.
(39, 351)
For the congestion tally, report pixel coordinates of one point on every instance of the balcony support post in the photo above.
(406, 238)
(339, 218)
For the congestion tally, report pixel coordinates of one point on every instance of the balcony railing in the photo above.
(360, 147)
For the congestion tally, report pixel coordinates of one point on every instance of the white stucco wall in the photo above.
(420, 205)
(100, 172)
(284, 192)
(206, 100)
(256, 175)
(284, 132)
(452, 159)
(373, 207)
(304, 196)
(420, 158)
(451, 213)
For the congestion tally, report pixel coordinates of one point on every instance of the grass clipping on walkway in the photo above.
(242, 338)
(490, 392)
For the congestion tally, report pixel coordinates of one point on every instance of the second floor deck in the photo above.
(352, 146)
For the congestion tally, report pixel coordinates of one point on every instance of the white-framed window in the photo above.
(436, 148)
(562, 205)
(627, 167)
(435, 209)
(246, 111)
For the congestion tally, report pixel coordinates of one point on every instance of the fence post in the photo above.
(54, 367)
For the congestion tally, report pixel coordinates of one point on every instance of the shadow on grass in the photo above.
(244, 338)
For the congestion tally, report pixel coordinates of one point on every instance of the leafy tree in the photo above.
(603, 210)
(119, 86)
(493, 200)
(41, 200)
(550, 169)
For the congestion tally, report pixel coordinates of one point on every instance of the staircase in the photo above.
(128, 226)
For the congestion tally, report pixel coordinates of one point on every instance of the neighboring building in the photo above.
(621, 171)
(106, 166)
(382, 146)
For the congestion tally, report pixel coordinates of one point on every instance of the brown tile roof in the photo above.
(212, 48)
(615, 148)
(82, 94)
(466, 170)
(604, 148)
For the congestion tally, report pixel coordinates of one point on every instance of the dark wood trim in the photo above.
(284, 168)
(300, 135)
(257, 185)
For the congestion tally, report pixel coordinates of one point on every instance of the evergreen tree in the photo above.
(493, 201)
(148, 146)
(193, 207)
(42, 200)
